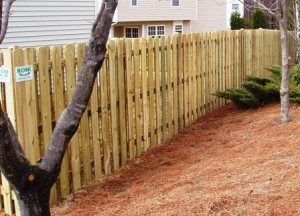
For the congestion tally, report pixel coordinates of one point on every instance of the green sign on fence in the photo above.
(4, 75)
(24, 73)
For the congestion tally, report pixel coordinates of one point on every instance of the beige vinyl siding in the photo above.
(41, 22)
(186, 27)
(211, 16)
(155, 10)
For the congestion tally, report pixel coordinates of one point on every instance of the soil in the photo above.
(230, 162)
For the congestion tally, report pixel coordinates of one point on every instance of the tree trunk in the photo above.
(283, 8)
(34, 202)
(297, 21)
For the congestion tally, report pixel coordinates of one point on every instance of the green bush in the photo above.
(241, 97)
(259, 19)
(258, 91)
(236, 21)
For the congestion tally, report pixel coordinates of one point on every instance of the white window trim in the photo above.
(177, 23)
(131, 27)
(137, 3)
(148, 31)
(235, 10)
(175, 6)
(174, 28)
(156, 30)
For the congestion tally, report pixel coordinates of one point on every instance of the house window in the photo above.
(178, 29)
(175, 3)
(235, 7)
(134, 2)
(131, 32)
(152, 31)
(160, 30)
(156, 31)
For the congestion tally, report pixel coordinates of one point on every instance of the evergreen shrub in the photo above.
(236, 21)
(259, 19)
(256, 91)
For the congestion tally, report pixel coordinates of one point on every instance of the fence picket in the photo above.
(122, 100)
(223, 64)
(113, 103)
(95, 121)
(180, 81)
(45, 101)
(105, 119)
(211, 70)
(59, 105)
(190, 79)
(151, 80)
(175, 81)
(186, 80)
(145, 93)
(74, 143)
(242, 59)
(21, 105)
(217, 68)
(157, 91)
(170, 91)
(198, 56)
(137, 96)
(129, 95)
(163, 88)
(214, 70)
(194, 76)
(32, 107)
(84, 129)
(205, 73)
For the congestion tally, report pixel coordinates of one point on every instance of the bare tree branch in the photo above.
(1, 14)
(271, 9)
(5, 17)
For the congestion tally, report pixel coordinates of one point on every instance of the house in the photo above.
(143, 18)
(36, 23)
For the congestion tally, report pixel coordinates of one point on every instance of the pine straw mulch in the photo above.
(230, 162)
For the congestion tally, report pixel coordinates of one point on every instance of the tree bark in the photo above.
(32, 183)
(283, 8)
(34, 202)
(5, 9)
(297, 39)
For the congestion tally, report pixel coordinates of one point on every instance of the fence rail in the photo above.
(147, 90)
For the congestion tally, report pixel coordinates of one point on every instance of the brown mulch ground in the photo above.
(231, 162)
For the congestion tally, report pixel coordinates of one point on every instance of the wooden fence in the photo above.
(147, 90)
